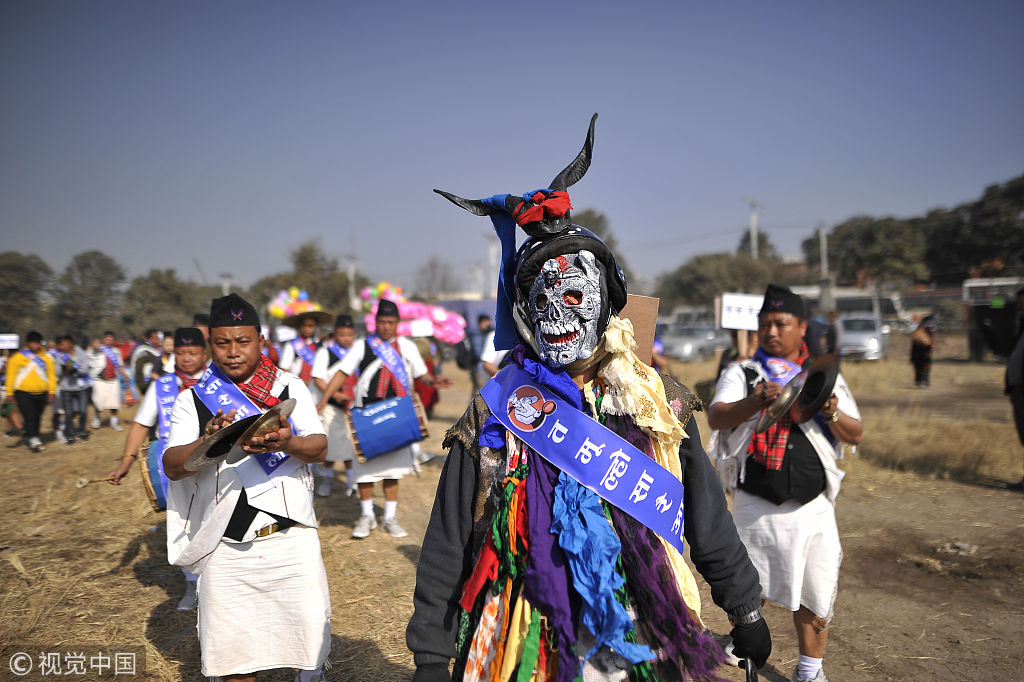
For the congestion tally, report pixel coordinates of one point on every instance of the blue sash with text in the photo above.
(303, 351)
(391, 359)
(166, 388)
(220, 393)
(591, 453)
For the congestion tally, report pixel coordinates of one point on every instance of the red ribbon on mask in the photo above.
(546, 205)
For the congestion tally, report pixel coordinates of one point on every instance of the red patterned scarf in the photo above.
(769, 448)
(385, 379)
(185, 382)
(259, 386)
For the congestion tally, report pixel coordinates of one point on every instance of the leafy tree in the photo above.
(312, 270)
(435, 277)
(24, 281)
(597, 222)
(159, 300)
(765, 248)
(87, 295)
(865, 248)
(705, 276)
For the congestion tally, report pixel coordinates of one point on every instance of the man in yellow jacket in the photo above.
(32, 384)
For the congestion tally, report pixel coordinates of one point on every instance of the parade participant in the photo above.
(145, 359)
(299, 354)
(922, 342)
(1013, 379)
(490, 359)
(334, 414)
(554, 546)
(386, 364)
(73, 384)
(166, 364)
(31, 385)
(248, 528)
(155, 413)
(785, 479)
(107, 370)
(201, 321)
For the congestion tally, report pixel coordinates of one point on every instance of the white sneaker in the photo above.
(35, 444)
(324, 488)
(364, 525)
(820, 677)
(58, 435)
(95, 422)
(191, 598)
(117, 427)
(393, 529)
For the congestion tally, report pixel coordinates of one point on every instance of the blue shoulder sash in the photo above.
(303, 351)
(391, 359)
(588, 451)
(218, 392)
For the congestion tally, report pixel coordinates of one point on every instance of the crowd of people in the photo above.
(569, 490)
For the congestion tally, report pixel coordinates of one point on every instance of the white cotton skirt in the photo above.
(339, 446)
(265, 604)
(106, 395)
(391, 465)
(795, 549)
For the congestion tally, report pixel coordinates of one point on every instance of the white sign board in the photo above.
(739, 311)
(9, 342)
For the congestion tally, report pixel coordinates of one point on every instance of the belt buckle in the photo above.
(266, 530)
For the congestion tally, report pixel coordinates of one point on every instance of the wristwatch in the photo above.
(746, 618)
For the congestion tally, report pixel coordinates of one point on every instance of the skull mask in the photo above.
(565, 307)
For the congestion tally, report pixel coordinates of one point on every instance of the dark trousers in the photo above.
(922, 371)
(31, 406)
(75, 404)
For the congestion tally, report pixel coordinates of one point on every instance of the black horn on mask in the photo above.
(572, 173)
(477, 207)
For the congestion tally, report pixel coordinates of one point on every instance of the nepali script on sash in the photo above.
(257, 471)
(166, 394)
(391, 359)
(303, 351)
(588, 451)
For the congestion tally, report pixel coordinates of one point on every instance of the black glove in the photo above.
(752, 640)
(432, 672)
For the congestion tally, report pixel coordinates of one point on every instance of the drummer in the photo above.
(299, 354)
(155, 410)
(386, 364)
(248, 528)
(335, 413)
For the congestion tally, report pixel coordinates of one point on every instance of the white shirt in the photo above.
(199, 506)
(411, 357)
(733, 443)
(490, 355)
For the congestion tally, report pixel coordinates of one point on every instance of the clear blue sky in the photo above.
(228, 132)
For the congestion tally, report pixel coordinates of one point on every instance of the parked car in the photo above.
(692, 344)
(862, 337)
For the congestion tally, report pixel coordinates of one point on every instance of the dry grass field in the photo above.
(931, 586)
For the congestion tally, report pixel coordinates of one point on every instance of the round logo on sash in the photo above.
(527, 408)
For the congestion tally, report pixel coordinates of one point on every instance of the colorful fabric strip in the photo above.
(40, 363)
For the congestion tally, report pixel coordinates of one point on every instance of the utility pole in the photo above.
(225, 283)
(350, 272)
(755, 207)
(827, 300)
